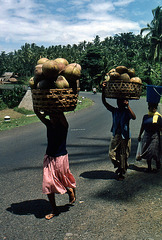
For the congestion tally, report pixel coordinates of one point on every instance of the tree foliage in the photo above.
(154, 32)
(98, 57)
(154, 35)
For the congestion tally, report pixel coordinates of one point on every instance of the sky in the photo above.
(62, 22)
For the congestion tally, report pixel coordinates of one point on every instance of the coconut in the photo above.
(61, 67)
(131, 72)
(121, 69)
(43, 84)
(50, 69)
(107, 78)
(136, 80)
(31, 83)
(111, 71)
(71, 72)
(38, 69)
(38, 73)
(114, 76)
(125, 77)
(62, 60)
(76, 65)
(42, 60)
(61, 82)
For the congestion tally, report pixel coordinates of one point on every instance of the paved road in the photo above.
(105, 208)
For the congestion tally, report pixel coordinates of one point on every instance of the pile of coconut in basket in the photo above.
(122, 82)
(55, 85)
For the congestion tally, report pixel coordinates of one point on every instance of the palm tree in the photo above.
(154, 30)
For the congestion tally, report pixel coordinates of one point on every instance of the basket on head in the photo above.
(154, 93)
(49, 100)
(122, 89)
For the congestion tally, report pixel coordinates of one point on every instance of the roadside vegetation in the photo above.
(25, 117)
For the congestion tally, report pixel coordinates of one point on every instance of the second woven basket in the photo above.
(121, 89)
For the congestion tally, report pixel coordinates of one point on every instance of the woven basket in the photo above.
(50, 100)
(119, 89)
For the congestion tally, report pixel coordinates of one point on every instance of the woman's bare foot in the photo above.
(71, 193)
(49, 216)
(120, 177)
(52, 214)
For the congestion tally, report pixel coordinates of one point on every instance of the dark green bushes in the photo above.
(2, 104)
(12, 97)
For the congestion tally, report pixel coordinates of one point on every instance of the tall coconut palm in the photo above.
(154, 30)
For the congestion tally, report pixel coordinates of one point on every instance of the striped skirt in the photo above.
(151, 146)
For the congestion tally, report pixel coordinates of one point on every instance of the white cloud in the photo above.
(61, 23)
(101, 7)
(123, 2)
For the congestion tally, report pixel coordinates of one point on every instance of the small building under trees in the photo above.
(8, 77)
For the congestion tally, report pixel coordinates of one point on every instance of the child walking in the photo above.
(120, 144)
(57, 177)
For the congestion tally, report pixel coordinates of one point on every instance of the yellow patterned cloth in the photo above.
(155, 116)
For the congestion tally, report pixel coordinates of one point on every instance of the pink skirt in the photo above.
(56, 175)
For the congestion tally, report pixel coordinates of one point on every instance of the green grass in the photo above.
(25, 120)
(23, 111)
(17, 122)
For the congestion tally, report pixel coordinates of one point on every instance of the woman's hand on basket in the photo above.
(126, 102)
(104, 84)
(37, 112)
(103, 87)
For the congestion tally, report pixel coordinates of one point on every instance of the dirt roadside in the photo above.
(11, 113)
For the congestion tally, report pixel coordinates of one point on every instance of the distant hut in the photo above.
(8, 77)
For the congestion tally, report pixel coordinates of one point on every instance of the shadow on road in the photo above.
(137, 182)
(133, 186)
(39, 208)
(136, 168)
(101, 174)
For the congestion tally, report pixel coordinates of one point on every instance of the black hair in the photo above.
(152, 105)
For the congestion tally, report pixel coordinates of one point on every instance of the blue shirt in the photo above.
(121, 118)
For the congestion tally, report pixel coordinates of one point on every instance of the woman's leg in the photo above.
(72, 195)
(158, 164)
(149, 165)
(55, 211)
(123, 158)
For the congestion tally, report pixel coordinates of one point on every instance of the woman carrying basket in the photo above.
(57, 177)
(119, 148)
(151, 126)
